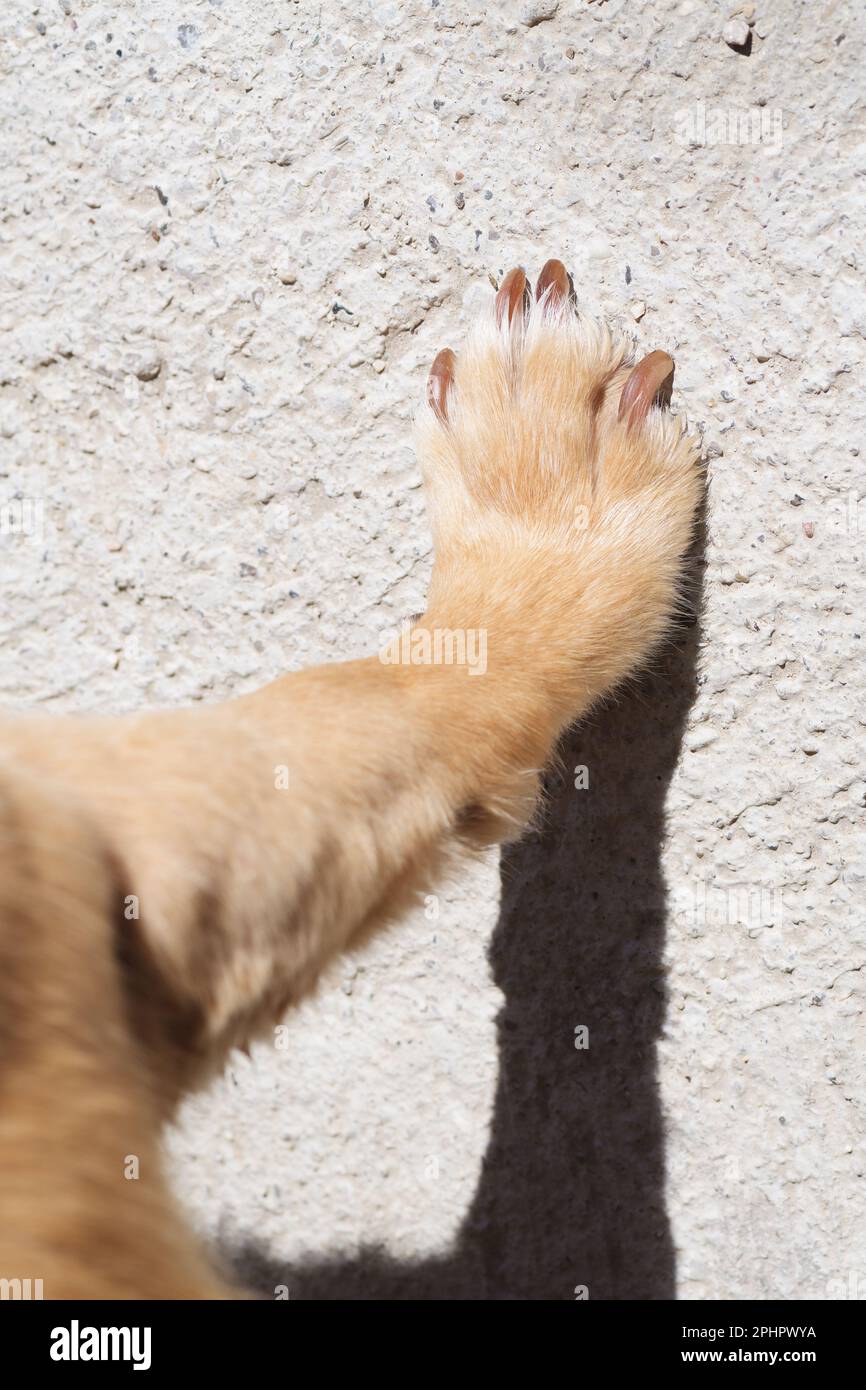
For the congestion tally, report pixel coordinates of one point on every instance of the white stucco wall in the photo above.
(232, 237)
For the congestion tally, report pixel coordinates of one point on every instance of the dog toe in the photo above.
(650, 379)
(440, 381)
(513, 297)
(556, 283)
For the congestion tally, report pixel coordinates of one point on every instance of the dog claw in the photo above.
(513, 295)
(439, 382)
(556, 280)
(643, 386)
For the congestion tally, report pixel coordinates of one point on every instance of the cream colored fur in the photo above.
(560, 531)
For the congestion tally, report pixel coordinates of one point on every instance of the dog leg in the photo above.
(256, 840)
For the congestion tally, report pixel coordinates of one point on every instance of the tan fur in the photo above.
(559, 531)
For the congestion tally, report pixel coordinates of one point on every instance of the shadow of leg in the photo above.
(572, 1187)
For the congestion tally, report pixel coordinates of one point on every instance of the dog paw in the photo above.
(562, 491)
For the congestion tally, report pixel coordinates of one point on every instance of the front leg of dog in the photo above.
(309, 814)
(294, 821)
(562, 502)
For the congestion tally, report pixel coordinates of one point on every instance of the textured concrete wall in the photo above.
(233, 234)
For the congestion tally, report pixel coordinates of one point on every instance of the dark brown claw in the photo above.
(513, 295)
(439, 382)
(555, 278)
(643, 386)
